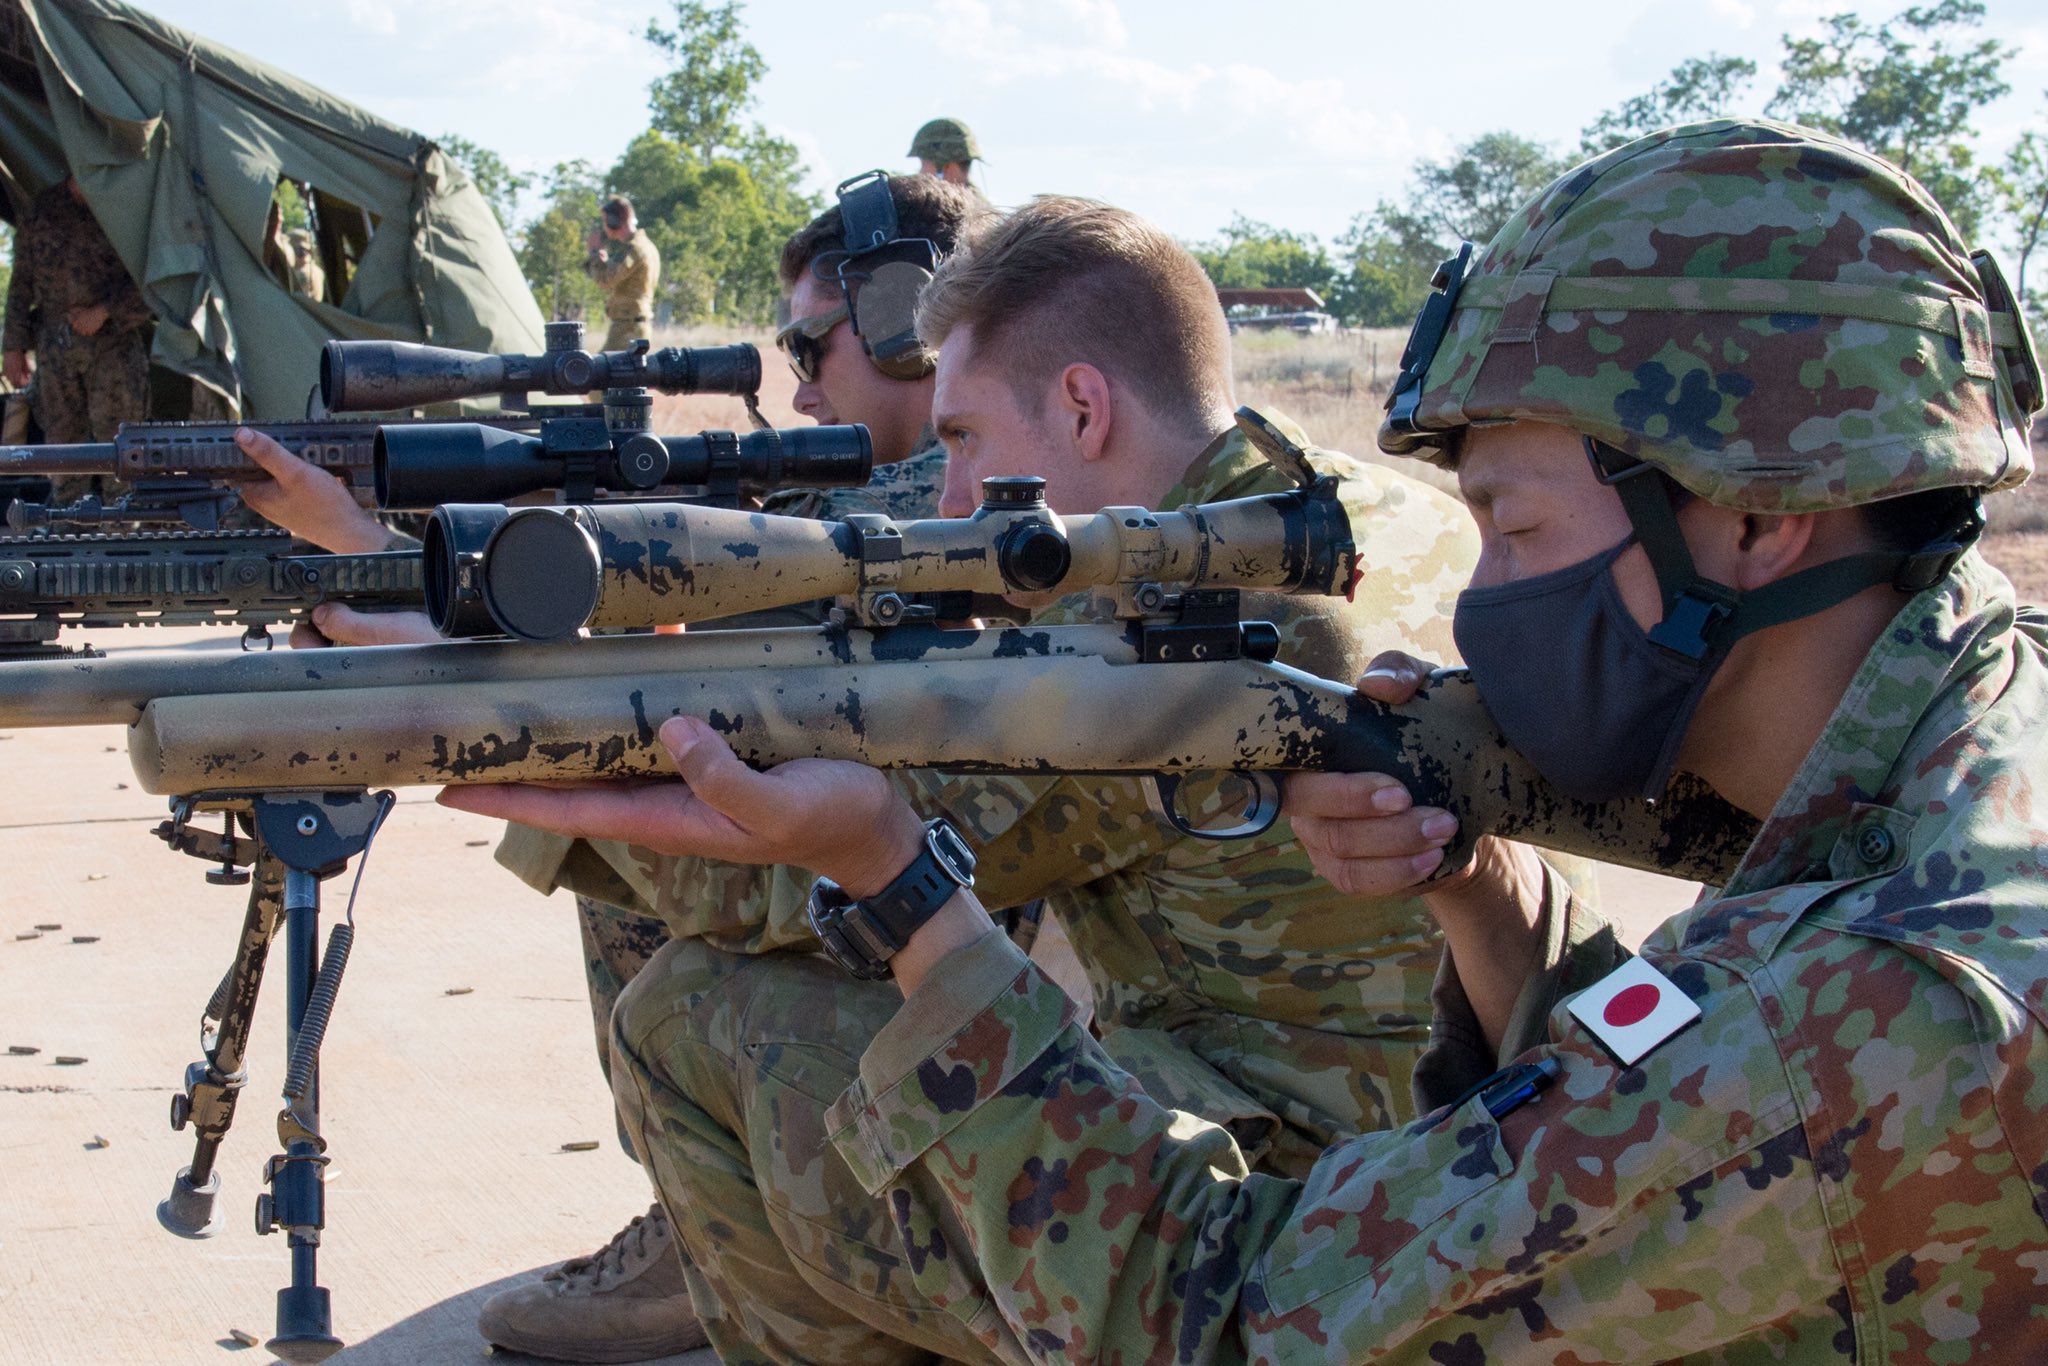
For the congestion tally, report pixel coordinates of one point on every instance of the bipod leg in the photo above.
(208, 1101)
(313, 836)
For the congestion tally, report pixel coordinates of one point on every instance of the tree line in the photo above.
(1906, 88)
(719, 194)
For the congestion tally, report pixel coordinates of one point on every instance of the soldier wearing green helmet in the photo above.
(1722, 403)
(946, 148)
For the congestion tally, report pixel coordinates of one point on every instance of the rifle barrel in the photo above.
(83, 458)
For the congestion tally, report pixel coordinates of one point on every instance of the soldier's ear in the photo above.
(1085, 400)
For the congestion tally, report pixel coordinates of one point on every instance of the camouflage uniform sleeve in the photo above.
(1580, 947)
(1614, 1207)
(606, 269)
(1036, 836)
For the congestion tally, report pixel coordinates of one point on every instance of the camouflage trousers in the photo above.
(617, 944)
(88, 386)
(723, 1066)
(621, 333)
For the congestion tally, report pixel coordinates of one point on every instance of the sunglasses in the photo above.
(803, 341)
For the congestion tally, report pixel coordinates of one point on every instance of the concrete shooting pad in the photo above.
(446, 1114)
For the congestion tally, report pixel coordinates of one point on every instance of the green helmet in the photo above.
(1777, 320)
(944, 140)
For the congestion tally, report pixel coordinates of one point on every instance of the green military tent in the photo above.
(181, 146)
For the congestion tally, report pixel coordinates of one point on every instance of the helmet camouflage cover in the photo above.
(1780, 321)
(944, 140)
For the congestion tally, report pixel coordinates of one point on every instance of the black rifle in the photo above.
(251, 579)
(373, 377)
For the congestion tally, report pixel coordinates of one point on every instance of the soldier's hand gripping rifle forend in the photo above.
(184, 472)
(1181, 686)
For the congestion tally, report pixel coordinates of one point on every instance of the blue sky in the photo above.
(1300, 114)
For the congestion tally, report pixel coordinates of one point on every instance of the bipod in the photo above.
(290, 842)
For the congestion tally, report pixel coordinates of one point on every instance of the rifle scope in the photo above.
(423, 465)
(375, 377)
(545, 572)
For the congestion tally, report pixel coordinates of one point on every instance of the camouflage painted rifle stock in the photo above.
(252, 579)
(1056, 699)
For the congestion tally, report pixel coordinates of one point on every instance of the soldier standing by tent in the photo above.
(307, 276)
(74, 305)
(627, 274)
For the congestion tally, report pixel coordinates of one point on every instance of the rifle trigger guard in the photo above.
(1259, 816)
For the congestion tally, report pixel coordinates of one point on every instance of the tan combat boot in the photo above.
(625, 1302)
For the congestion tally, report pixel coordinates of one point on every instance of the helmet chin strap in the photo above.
(1702, 618)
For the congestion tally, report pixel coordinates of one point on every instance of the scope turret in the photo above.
(378, 377)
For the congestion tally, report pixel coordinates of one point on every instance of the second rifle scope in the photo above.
(426, 464)
(376, 377)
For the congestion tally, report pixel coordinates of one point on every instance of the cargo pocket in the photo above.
(1368, 1199)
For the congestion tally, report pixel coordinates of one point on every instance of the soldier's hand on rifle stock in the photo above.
(308, 501)
(837, 818)
(1363, 831)
(1365, 835)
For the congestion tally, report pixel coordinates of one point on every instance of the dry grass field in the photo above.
(1334, 386)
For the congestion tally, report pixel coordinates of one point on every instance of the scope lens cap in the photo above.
(541, 575)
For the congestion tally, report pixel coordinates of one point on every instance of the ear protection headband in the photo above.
(881, 276)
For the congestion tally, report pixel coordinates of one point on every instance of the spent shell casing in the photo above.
(581, 1145)
(67, 1060)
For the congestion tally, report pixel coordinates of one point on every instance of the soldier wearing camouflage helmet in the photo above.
(945, 148)
(1722, 402)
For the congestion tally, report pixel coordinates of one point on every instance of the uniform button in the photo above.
(1874, 844)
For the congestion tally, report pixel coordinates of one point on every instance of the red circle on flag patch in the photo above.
(1631, 1005)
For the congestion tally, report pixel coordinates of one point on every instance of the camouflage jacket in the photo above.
(1845, 1157)
(62, 261)
(627, 273)
(1227, 975)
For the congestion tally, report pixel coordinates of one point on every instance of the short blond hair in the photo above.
(1064, 280)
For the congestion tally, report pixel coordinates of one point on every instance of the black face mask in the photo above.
(1575, 684)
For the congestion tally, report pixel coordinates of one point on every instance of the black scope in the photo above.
(380, 377)
(422, 465)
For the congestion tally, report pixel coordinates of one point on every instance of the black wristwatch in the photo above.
(862, 936)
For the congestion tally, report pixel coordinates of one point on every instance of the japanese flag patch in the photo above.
(1633, 1009)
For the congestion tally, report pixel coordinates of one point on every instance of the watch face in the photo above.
(951, 851)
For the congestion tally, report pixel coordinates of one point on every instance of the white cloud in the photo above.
(1737, 12)
(375, 15)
